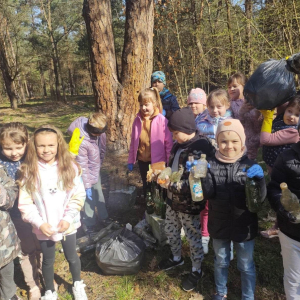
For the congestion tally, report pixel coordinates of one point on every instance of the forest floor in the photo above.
(150, 283)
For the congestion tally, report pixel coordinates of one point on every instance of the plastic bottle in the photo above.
(195, 183)
(176, 176)
(200, 169)
(290, 201)
(252, 190)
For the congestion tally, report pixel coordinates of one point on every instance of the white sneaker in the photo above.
(49, 295)
(78, 291)
(205, 241)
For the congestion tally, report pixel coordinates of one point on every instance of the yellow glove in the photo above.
(75, 142)
(268, 120)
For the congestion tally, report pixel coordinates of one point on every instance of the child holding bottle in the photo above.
(286, 169)
(151, 140)
(13, 140)
(182, 211)
(50, 199)
(277, 136)
(229, 218)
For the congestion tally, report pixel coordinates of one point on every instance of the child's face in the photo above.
(291, 115)
(197, 108)
(235, 90)
(229, 143)
(11, 150)
(147, 108)
(157, 84)
(216, 108)
(182, 137)
(46, 147)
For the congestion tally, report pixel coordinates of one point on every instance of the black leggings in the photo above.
(48, 250)
(144, 168)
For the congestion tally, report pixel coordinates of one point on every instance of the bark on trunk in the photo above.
(8, 80)
(118, 100)
(249, 60)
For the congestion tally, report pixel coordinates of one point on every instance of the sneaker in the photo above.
(219, 297)
(190, 283)
(35, 293)
(270, 233)
(170, 263)
(205, 241)
(49, 295)
(78, 291)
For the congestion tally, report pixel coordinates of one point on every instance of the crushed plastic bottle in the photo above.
(176, 176)
(164, 176)
(290, 202)
(195, 183)
(200, 168)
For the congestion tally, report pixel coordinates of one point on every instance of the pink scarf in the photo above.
(230, 160)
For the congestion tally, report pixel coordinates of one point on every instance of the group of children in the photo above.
(226, 128)
(43, 188)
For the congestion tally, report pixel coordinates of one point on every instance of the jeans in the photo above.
(245, 264)
(290, 251)
(98, 201)
(7, 284)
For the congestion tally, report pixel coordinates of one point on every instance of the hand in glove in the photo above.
(268, 120)
(89, 194)
(286, 215)
(130, 167)
(75, 141)
(255, 172)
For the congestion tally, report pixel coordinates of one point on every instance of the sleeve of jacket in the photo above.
(83, 160)
(174, 103)
(102, 147)
(281, 137)
(168, 140)
(28, 209)
(278, 175)
(76, 201)
(8, 191)
(131, 154)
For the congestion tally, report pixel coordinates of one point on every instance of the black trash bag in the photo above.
(122, 254)
(294, 63)
(270, 85)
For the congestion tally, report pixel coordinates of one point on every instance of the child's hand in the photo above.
(75, 141)
(46, 229)
(130, 167)
(256, 172)
(268, 114)
(63, 226)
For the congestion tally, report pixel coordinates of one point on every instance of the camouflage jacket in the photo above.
(9, 241)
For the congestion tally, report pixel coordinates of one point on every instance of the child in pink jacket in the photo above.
(151, 140)
(50, 199)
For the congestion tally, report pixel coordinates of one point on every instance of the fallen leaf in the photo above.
(196, 296)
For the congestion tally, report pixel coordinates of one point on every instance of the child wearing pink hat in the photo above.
(197, 102)
(229, 218)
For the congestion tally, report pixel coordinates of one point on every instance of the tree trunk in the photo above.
(118, 100)
(43, 82)
(8, 80)
(248, 60)
(232, 54)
